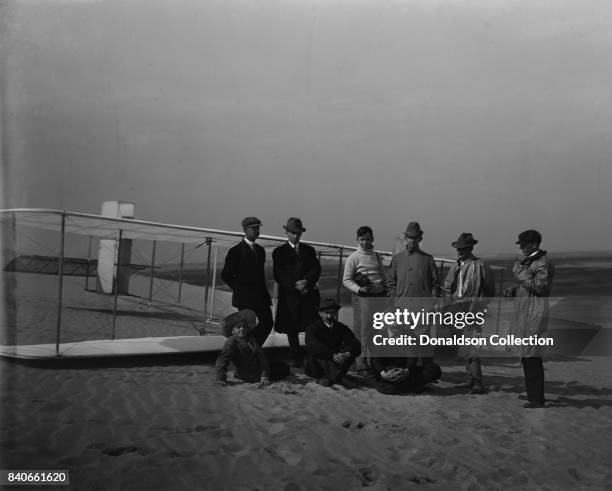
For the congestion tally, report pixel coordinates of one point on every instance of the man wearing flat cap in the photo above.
(468, 287)
(331, 347)
(244, 273)
(297, 271)
(533, 277)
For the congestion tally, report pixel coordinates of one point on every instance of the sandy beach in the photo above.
(159, 426)
(163, 423)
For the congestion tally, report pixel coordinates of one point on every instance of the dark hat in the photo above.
(529, 236)
(246, 316)
(294, 225)
(330, 304)
(413, 230)
(464, 240)
(251, 222)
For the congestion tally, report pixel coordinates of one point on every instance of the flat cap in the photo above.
(529, 236)
(251, 222)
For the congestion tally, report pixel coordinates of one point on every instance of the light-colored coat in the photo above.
(533, 277)
(477, 288)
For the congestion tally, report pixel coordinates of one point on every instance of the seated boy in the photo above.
(242, 349)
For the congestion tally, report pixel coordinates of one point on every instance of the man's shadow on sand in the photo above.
(566, 392)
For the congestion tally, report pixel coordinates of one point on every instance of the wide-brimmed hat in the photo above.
(329, 304)
(413, 230)
(246, 316)
(529, 236)
(294, 225)
(251, 222)
(464, 240)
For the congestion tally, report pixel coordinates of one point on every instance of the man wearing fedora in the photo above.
(533, 277)
(331, 347)
(413, 273)
(244, 273)
(297, 271)
(413, 282)
(468, 287)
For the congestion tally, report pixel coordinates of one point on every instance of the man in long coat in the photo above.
(297, 271)
(533, 277)
(468, 287)
(413, 282)
(244, 273)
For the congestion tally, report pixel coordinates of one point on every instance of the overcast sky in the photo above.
(486, 116)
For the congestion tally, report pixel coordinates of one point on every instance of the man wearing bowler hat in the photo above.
(244, 273)
(297, 271)
(331, 347)
(468, 287)
(533, 277)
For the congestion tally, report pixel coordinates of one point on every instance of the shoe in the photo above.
(534, 405)
(389, 389)
(324, 382)
(464, 385)
(347, 384)
(523, 397)
(366, 373)
(478, 388)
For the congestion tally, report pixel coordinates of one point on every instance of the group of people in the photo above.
(332, 348)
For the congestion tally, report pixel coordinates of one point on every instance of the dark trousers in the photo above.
(279, 370)
(264, 327)
(294, 346)
(533, 369)
(319, 368)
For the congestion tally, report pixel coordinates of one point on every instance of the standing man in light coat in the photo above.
(413, 281)
(533, 277)
(468, 287)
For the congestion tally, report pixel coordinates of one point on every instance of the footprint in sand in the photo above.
(201, 428)
(421, 480)
(123, 450)
(284, 454)
(368, 475)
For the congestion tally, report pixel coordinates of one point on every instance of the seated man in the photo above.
(243, 350)
(402, 373)
(399, 369)
(331, 347)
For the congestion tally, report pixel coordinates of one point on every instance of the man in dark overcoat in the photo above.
(297, 271)
(244, 273)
